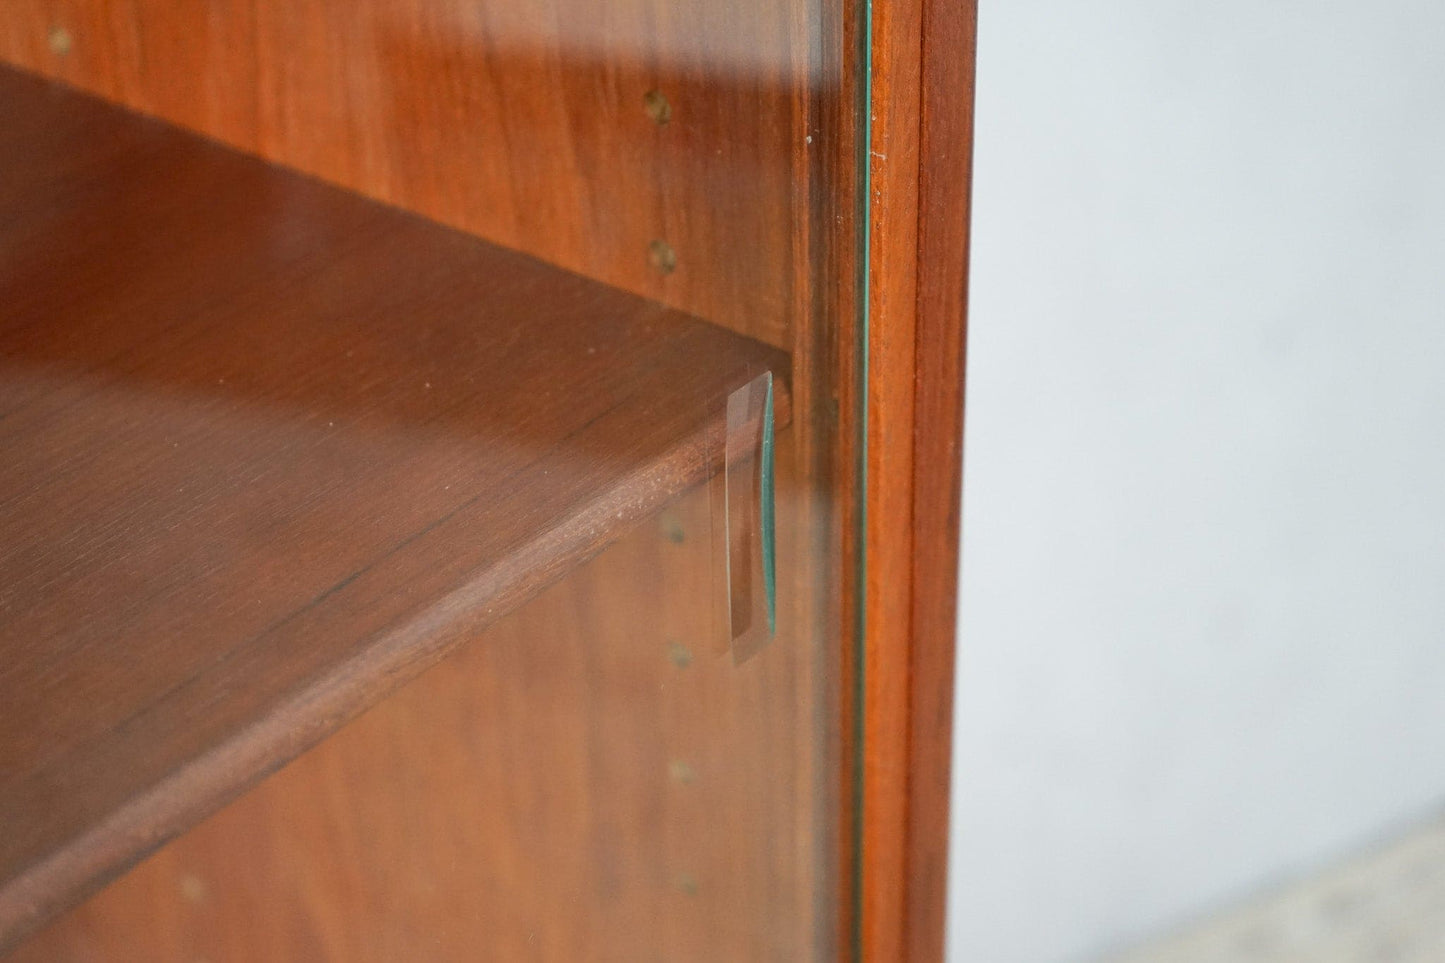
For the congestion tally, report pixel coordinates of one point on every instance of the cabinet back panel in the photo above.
(657, 145)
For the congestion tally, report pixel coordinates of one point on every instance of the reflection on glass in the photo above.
(539, 468)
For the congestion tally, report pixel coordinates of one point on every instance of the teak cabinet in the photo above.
(479, 480)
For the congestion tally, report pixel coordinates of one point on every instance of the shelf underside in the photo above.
(267, 450)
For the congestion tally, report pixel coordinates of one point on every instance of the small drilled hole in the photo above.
(193, 888)
(662, 257)
(679, 655)
(657, 107)
(60, 41)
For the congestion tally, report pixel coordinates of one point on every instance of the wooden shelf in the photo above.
(267, 450)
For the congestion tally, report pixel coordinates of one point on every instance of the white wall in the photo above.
(1203, 611)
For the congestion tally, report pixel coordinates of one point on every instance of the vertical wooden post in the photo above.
(920, 157)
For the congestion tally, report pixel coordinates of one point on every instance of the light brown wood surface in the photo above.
(270, 450)
(945, 191)
(921, 149)
(524, 123)
(893, 264)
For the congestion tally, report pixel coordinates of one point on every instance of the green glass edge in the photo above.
(863, 158)
(765, 499)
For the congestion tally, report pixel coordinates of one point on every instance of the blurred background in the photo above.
(1201, 679)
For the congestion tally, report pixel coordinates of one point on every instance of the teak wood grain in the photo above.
(269, 450)
(584, 780)
(923, 59)
(524, 123)
(945, 188)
